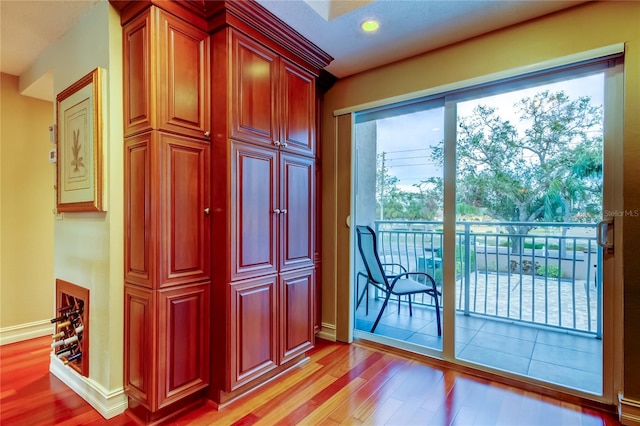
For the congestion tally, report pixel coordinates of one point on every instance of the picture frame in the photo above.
(79, 145)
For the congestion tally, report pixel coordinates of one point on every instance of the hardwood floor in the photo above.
(341, 384)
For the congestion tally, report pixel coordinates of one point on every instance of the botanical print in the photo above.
(77, 147)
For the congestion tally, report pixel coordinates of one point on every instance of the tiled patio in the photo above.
(569, 360)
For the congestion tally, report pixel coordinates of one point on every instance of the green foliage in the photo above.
(548, 168)
(552, 271)
(393, 203)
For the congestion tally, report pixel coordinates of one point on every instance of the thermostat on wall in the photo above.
(52, 133)
(53, 155)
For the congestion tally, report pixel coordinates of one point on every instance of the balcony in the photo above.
(527, 302)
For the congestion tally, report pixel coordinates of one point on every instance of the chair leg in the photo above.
(435, 297)
(384, 305)
(366, 302)
(398, 305)
(410, 311)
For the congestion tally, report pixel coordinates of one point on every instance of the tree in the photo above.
(545, 169)
(393, 203)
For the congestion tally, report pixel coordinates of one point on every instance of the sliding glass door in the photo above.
(523, 276)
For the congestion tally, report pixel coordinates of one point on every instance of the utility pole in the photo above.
(381, 177)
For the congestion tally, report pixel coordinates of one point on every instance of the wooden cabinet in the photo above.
(220, 141)
(167, 198)
(267, 204)
(166, 75)
(167, 213)
(273, 100)
(271, 224)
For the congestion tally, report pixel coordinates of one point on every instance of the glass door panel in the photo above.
(398, 193)
(529, 195)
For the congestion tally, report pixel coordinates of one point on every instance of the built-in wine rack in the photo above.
(71, 334)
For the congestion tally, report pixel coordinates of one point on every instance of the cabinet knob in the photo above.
(283, 144)
(276, 211)
(206, 211)
(207, 134)
(277, 143)
(283, 211)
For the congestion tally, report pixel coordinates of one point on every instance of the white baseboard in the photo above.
(629, 412)
(107, 403)
(327, 332)
(30, 330)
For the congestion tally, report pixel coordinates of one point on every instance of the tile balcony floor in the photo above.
(570, 360)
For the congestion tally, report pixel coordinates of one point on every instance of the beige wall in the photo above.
(88, 247)
(26, 213)
(583, 28)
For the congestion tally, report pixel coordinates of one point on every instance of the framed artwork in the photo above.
(79, 145)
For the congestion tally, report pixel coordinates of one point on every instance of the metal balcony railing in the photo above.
(540, 273)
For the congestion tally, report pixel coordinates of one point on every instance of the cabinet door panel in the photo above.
(184, 200)
(138, 186)
(138, 105)
(184, 77)
(297, 198)
(253, 227)
(139, 330)
(184, 342)
(297, 319)
(253, 330)
(298, 109)
(254, 77)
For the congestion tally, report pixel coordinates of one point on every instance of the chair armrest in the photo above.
(402, 268)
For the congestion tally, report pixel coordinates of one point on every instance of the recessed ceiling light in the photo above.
(370, 25)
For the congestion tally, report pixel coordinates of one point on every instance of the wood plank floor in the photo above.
(341, 384)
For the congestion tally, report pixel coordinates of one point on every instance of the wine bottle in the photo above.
(58, 335)
(65, 308)
(70, 349)
(58, 319)
(70, 340)
(79, 329)
(63, 353)
(75, 357)
(67, 323)
(74, 313)
(57, 343)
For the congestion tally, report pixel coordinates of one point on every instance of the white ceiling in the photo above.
(407, 27)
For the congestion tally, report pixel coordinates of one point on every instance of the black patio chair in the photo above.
(390, 271)
(401, 284)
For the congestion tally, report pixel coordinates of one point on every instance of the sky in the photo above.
(406, 139)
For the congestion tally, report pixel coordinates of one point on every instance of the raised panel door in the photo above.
(138, 104)
(296, 313)
(139, 331)
(138, 183)
(254, 91)
(297, 112)
(253, 221)
(297, 217)
(184, 77)
(184, 206)
(183, 341)
(253, 330)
